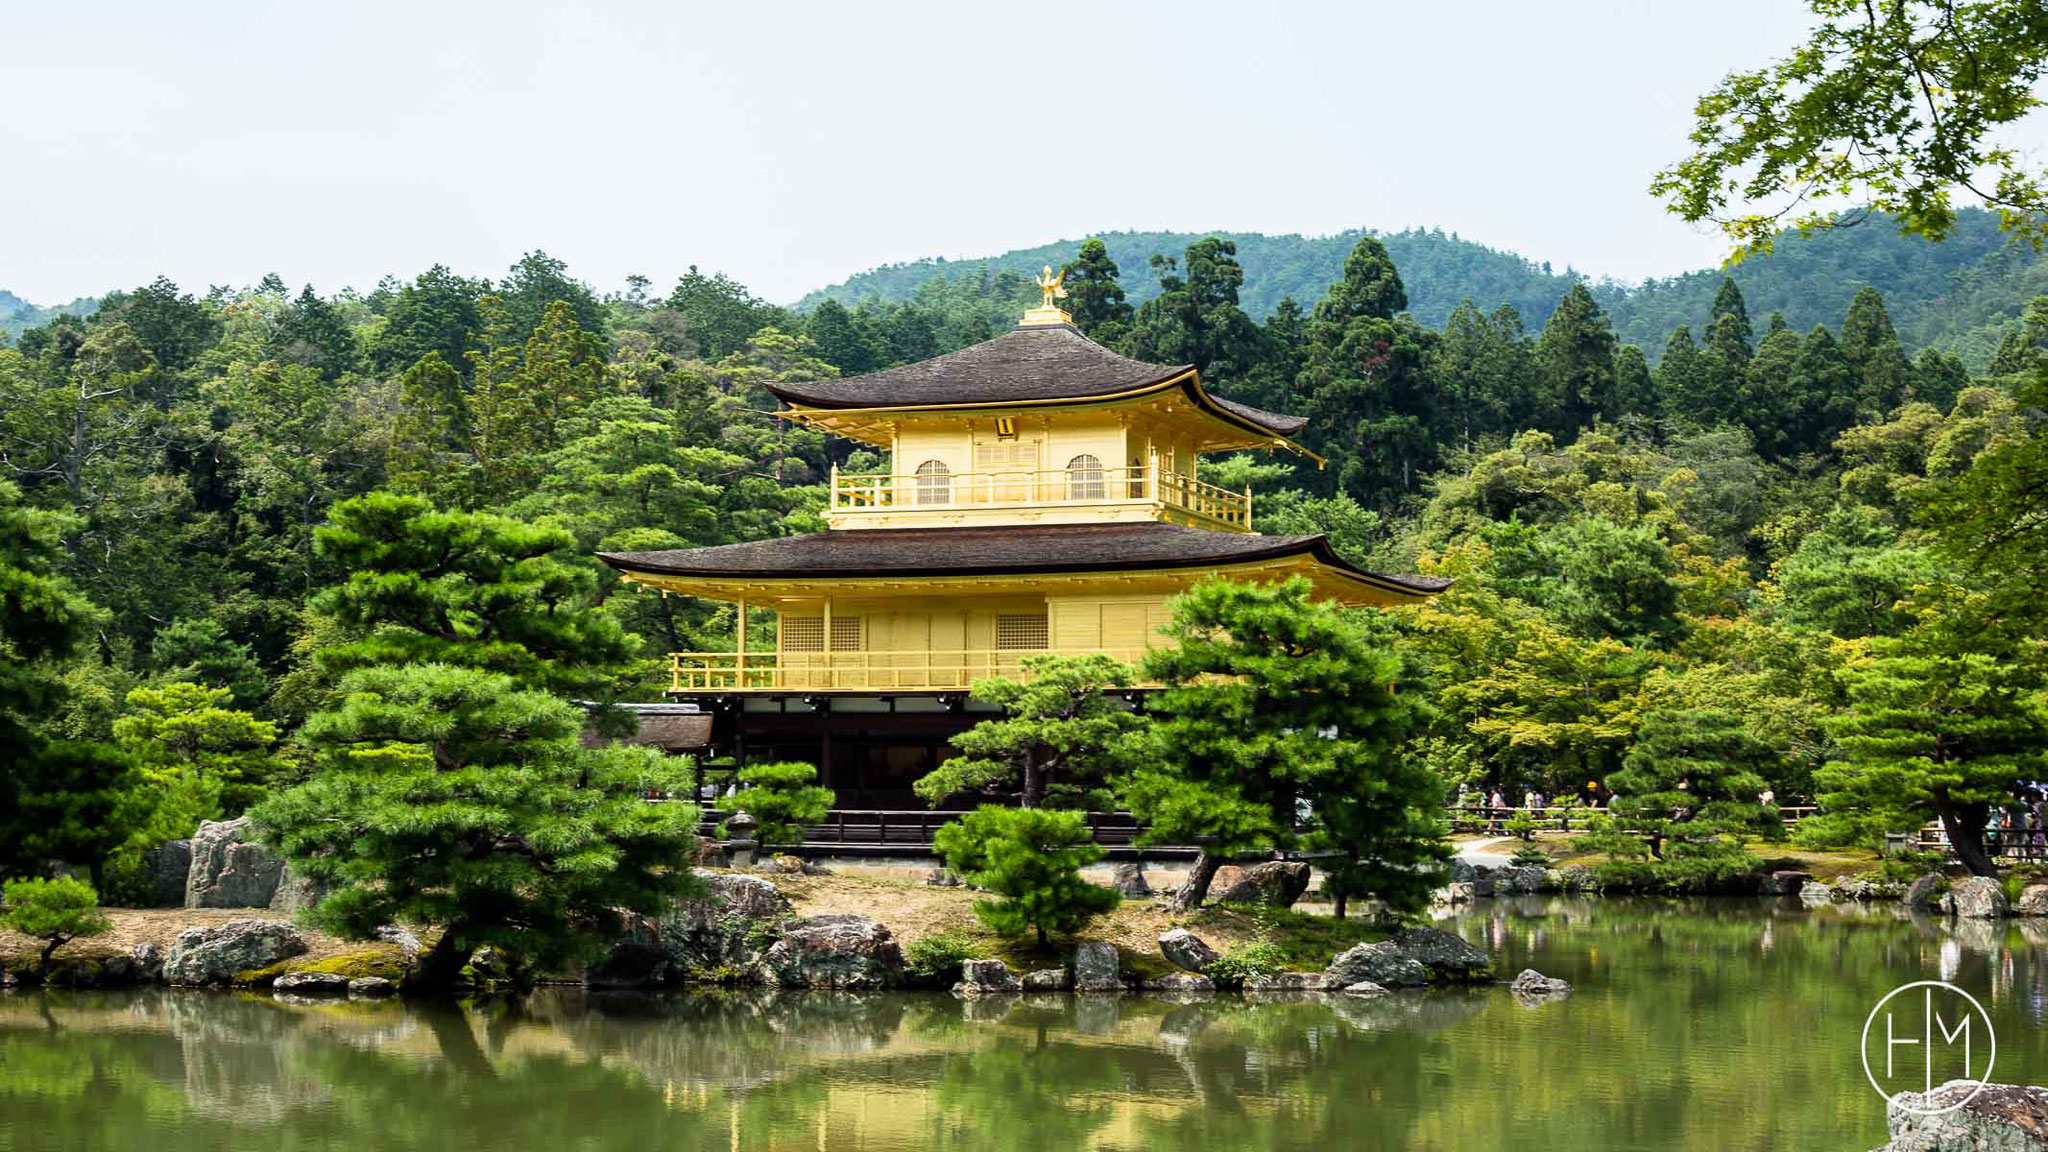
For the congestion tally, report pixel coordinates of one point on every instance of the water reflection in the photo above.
(1696, 1025)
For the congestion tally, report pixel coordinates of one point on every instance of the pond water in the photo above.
(1724, 1024)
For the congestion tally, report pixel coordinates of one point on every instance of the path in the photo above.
(1473, 851)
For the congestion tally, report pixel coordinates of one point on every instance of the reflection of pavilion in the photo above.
(1041, 496)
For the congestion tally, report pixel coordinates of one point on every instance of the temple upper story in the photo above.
(1040, 425)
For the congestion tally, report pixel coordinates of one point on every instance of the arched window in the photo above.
(934, 483)
(1084, 479)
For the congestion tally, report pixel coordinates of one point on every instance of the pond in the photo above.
(1725, 1024)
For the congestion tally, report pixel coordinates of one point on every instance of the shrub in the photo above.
(1248, 960)
(1521, 824)
(1033, 858)
(937, 959)
(55, 912)
(785, 797)
(1529, 855)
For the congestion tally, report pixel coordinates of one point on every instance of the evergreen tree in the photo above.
(1945, 719)
(1032, 857)
(1875, 358)
(785, 797)
(313, 333)
(1274, 700)
(453, 797)
(719, 314)
(539, 280)
(1681, 378)
(1768, 409)
(1687, 796)
(1728, 302)
(437, 314)
(1724, 371)
(1938, 378)
(1366, 381)
(1060, 739)
(199, 649)
(1095, 298)
(1576, 355)
(1196, 320)
(1823, 393)
(837, 341)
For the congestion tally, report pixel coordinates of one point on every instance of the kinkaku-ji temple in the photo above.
(1042, 498)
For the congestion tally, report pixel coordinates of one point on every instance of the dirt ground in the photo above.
(160, 926)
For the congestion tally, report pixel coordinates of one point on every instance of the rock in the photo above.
(986, 977)
(146, 961)
(1517, 879)
(1129, 879)
(1365, 989)
(1977, 898)
(372, 987)
(215, 955)
(1999, 1118)
(1455, 893)
(311, 984)
(1293, 982)
(1274, 884)
(1096, 968)
(941, 878)
(1383, 963)
(229, 871)
(491, 967)
(295, 893)
(1814, 894)
(2033, 901)
(1182, 983)
(723, 935)
(1187, 950)
(1924, 892)
(167, 866)
(1575, 878)
(1530, 982)
(632, 964)
(406, 941)
(1482, 885)
(1443, 954)
(1786, 883)
(840, 952)
(1048, 980)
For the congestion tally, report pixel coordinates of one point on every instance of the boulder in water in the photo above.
(1097, 968)
(216, 955)
(1187, 950)
(838, 952)
(1997, 1118)
(1383, 963)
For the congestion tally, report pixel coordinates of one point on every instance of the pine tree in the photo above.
(1366, 380)
(785, 797)
(1822, 393)
(838, 342)
(1059, 741)
(1576, 354)
(1032, 857)
(1945, 720)
(1095, 298)
(1272, 700)
(1875, 358)
(1687, 795)
(1681, 378)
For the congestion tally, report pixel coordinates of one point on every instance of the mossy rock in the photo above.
(354, 965)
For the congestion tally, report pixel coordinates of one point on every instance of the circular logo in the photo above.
(1925, 1034)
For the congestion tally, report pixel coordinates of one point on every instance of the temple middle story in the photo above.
(1042, 497)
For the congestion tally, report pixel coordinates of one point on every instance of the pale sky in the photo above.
(793, 144)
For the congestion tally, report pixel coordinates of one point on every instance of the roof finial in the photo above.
(1047, 312)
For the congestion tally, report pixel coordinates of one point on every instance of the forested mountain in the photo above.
(1957, 296)
(17, 314)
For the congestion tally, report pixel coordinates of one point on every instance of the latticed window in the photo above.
(934, 483)
(1084, 478)
(846, 633)
(804, 633)
(1022, 632)
(993, 455)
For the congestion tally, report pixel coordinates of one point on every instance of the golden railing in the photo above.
(860, 671)
(1046, 486)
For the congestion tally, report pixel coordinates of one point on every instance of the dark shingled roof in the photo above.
(996, 549)
(1042, 362)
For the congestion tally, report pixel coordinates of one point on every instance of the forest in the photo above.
(1801, 540)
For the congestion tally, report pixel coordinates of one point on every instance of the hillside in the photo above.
(1957, 295)
(17, 314)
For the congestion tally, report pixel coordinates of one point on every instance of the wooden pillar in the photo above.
(831, 681)
(739, 658)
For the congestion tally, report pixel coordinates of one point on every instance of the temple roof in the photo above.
(1029, 363)
(1017, 549)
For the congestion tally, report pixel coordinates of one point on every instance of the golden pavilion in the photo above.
(1042, 498)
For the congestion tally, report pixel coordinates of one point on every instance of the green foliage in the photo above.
(453, 797)
(185, 736)
(785, 797)
(1274, 700)
(1246, 960)
(1687, 795)
(1943, 720)
(1527, 854)
(936, 959)
(1853, 111)
(1032, 857)
(55, 912)
(1521, 825)
(1061, 739)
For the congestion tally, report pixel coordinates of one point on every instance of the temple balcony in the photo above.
(693, 673)
(941, 498)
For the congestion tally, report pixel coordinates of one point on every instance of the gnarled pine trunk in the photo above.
(1189, 895)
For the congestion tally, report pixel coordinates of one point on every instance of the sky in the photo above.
(792, 145)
